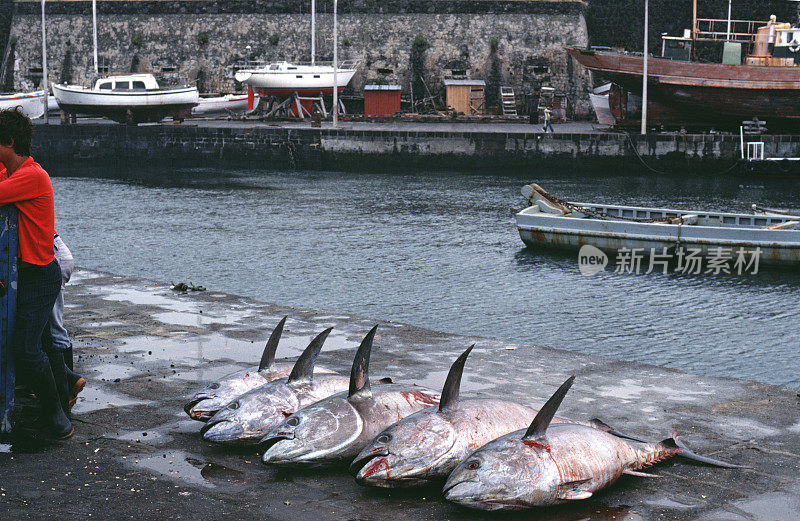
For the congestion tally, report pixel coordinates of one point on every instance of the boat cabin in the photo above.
(132, 82)
(787, 44)
(768, 44)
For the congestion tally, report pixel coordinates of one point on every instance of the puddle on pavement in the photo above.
(672, 504)
(628, 389)
(216, 346)
(159, 435)
(105, 324)
(152, 298)
(435, 380)
(94, 398)
(80, 275)
(198, 319)
(187, 468)
(112, 372)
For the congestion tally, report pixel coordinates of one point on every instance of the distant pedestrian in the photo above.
(26, 184)
(548, 116)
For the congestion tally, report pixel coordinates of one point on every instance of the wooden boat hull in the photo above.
(727, 92)
(778, 247)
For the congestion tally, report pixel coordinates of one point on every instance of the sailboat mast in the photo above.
(335, 66)
(94, 35)
(44, 65)
(313, 31)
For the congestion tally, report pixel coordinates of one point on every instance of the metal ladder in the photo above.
(507, 101)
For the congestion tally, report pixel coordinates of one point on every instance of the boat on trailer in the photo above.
(128, 98)
(31, 103)
(549, 221)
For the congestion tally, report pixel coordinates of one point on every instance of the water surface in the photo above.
(440, 250)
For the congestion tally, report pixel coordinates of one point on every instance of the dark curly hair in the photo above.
(16, 129)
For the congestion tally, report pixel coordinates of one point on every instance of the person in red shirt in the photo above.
(25, 184)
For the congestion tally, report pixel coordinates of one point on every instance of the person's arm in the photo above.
(20, 187)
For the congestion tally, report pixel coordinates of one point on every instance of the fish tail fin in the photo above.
(673, 446)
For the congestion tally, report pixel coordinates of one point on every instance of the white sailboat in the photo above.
(284, 78)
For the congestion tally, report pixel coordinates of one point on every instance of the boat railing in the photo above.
(264, 64)
(716, 30)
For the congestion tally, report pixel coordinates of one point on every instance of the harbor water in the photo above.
(440, 250)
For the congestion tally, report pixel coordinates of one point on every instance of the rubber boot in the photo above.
(59, 369)
(76, 384)
(68, 358)
(68, 382)
(44, 386)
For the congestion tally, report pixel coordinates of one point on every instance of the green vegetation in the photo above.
(202, 38)
(136, 40)
(274, 39)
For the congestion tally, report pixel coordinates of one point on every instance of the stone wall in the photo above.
(206, 39)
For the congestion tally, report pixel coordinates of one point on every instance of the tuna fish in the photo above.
(550, 464)
(426, 446)
(247, 418)
(215, 396)
(335, 429)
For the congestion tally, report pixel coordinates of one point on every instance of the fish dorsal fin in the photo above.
(453, 383)
(268, 356)
(548, 410)
(303, 370)
(359, 374)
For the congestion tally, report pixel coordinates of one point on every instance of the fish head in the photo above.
(217, 395)
(504, 474)
(246, 419)
(320, 433)
(411, 452)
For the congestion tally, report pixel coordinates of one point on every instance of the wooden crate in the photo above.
(381, 100)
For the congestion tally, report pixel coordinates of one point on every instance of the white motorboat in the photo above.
(230, 103)
(129, 98)
(306, 79)
(552, 222)
(31, 103)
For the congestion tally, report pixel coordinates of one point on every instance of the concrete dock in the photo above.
(145, 349)
(378, 146)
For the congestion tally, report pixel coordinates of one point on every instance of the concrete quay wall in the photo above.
(257, 145)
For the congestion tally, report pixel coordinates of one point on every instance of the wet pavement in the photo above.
(145, 349)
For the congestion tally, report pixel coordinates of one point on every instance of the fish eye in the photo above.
(215, 385)
(472, 464)
(384, 438)
(233, 405)
(294, 421)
